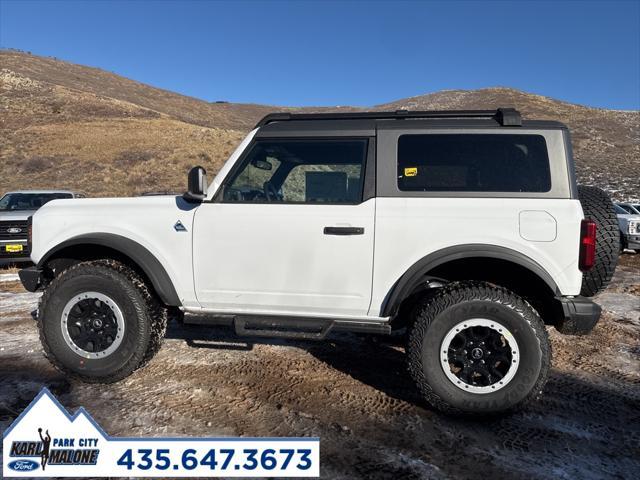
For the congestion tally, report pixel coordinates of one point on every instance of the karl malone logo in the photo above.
(73, 441)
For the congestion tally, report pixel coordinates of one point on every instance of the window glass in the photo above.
(29, 201)
(300, 171)
(620, 210)
(473, 163)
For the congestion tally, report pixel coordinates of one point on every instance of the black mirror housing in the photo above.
(196, 184)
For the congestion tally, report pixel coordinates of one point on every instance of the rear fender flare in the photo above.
(413, 276)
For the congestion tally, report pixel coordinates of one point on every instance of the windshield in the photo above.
(620, 210)
(28, 201)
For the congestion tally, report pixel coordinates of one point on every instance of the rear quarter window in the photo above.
(473, 163)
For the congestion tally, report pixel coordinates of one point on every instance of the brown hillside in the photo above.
(78, 79)
(64, 125)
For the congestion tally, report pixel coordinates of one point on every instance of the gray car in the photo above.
(15, 210)
(629, 222)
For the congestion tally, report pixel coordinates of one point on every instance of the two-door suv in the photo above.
(464, 229)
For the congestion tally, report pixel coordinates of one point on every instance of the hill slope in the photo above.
(67, 125)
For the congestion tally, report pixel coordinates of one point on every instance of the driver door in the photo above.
(289, 233)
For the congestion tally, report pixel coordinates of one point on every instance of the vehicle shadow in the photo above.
(377, 361)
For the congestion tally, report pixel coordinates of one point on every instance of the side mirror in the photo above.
(197, 184)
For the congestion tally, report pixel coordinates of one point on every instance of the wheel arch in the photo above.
(440, 264)
(108, 245)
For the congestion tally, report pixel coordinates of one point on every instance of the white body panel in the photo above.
(275, 258)
(148, 221)
(408, 229)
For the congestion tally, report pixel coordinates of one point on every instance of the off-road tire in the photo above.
(460, 301)
(597, 206)
(144, 315)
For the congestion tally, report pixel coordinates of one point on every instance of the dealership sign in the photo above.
(46, 441)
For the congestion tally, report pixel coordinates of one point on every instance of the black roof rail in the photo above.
(507, 117)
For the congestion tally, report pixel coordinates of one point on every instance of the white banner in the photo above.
(45, 441)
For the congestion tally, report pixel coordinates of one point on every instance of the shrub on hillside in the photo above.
(37, 164)
(129, 158)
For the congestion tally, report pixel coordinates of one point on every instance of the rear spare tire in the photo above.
(597, 206)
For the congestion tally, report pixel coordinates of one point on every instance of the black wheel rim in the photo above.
(479, 355)
(92, 325)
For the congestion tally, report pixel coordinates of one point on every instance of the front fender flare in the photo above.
(147, 262)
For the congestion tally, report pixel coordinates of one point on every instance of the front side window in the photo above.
(473, 163)
(29, 201)
(300, 171)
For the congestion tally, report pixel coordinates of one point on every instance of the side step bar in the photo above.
(307, 329)
(287, 327)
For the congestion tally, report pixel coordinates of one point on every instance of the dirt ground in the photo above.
(354, 393)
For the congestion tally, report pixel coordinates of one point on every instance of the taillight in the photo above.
(587, 245)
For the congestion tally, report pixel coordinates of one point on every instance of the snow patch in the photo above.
(623, 305)
(10, 302)
(9, 277)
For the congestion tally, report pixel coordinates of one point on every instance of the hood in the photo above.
(108, 206)
(148, 221)
(629, 216)
(623, 220)
(13, 215)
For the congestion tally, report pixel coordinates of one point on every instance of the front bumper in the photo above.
(11, 260)
(31, 278)
(578, 315)
(7, 257)
(632, 242)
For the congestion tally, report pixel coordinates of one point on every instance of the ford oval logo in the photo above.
(14, 230)
(23, 465)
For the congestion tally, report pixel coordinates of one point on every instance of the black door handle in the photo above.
(343, 231)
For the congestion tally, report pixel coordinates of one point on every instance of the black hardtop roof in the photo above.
(366, 124)
(506, 117)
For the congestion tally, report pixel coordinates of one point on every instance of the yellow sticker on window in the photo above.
(411, 171)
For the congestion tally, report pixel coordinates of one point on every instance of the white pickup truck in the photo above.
(15, 210)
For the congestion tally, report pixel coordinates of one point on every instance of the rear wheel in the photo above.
(597, 206)
(476, 348)
(99, 322)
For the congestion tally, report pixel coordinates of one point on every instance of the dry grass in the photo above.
(9, 269)
(115, 157)
(11, 287)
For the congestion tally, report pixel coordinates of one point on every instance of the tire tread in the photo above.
(450, 295)
(597, 206)
(150, 307)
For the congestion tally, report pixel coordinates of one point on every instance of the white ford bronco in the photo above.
(463, 230)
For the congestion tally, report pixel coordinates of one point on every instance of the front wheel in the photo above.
(478, 349)
(99, 322)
